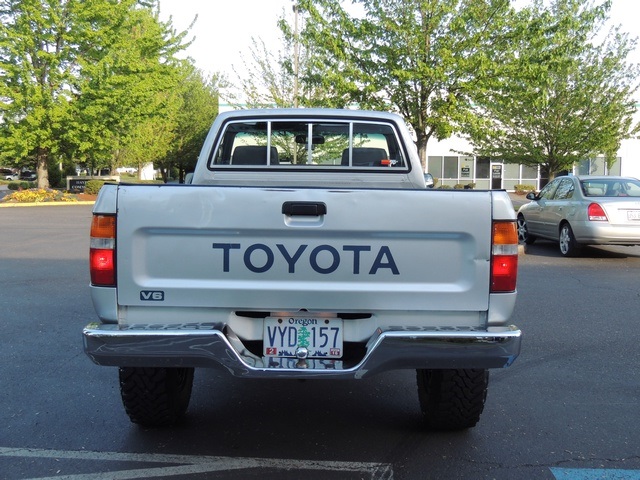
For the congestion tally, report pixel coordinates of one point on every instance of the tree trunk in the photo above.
(42, 158)
(421, 142)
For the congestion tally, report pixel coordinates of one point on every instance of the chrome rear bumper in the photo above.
(208, 346)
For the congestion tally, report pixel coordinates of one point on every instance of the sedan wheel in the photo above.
(569, 247)
(523, 232)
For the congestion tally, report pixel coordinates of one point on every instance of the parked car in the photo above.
(12, 177)
(583, 210)
(428, 180)
(28, 175)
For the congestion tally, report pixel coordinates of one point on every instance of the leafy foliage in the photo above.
(198, 100)
(20, 185)
(560, 97)
(92, 187)
(126, 111)
(422, 58)
(94, 83)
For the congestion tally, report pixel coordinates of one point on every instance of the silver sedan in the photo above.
(583, 210)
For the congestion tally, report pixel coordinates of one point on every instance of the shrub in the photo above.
(92, 187)
(21, 185)
(524, 189)
(55, 175)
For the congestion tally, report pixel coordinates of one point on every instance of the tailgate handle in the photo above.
(309, 209)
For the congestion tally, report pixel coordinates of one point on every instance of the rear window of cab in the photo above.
(323, 144)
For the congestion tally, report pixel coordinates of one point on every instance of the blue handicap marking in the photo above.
(594, 474)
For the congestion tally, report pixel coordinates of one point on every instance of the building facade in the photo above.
(451, 168)
(486, 173)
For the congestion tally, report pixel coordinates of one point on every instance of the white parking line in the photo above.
(193, 464)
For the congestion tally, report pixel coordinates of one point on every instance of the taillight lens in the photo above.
(102, 262)
(596, 213)
(504, 257)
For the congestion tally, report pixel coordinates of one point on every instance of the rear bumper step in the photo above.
(208, 346)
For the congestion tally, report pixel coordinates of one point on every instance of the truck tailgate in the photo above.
(233, 247)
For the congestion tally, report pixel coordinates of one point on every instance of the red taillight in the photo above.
(504, 257)
(102, 265)
(596, 213)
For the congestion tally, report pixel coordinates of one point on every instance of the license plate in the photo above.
(633, 214)
(291, 336)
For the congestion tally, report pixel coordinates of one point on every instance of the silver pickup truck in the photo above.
(305, 246)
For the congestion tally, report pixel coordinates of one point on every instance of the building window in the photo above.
(434, 166)
(467, 169)
(529, 172)
(450, 167)
(511, 170)
(483, 165)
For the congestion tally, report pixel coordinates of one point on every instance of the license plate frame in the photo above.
(285, 336)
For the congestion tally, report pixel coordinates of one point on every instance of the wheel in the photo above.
(568, 245)
(155, 397)
(523, 232)
(452, 399)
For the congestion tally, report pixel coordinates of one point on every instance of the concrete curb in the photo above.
(44, 204)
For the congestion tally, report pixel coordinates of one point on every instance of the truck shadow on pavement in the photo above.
(292, 418)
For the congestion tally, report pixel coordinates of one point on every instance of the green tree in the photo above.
(421, 58)
(199, 107)
(563, 96)
(37, 47)
(76, 78)
(128, 102)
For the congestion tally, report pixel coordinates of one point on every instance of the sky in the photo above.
(224, 29)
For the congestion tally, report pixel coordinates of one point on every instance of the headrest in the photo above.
(253, 155)
(365, 157)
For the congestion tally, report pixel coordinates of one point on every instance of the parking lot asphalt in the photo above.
(563, 410)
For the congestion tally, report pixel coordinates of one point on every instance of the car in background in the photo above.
(428, 180)
(28, 176)
(8, 174)
(583, 210)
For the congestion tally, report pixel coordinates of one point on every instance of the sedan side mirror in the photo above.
(531, 196)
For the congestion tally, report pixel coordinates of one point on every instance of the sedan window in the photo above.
(549, 190)
(565, 190)
(633, 189)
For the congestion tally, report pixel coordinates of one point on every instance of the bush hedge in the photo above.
(92, 187)
(21, 185)
(524, 189)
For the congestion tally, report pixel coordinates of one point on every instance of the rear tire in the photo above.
(154, 397)
(452, 399)
(569, 247)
